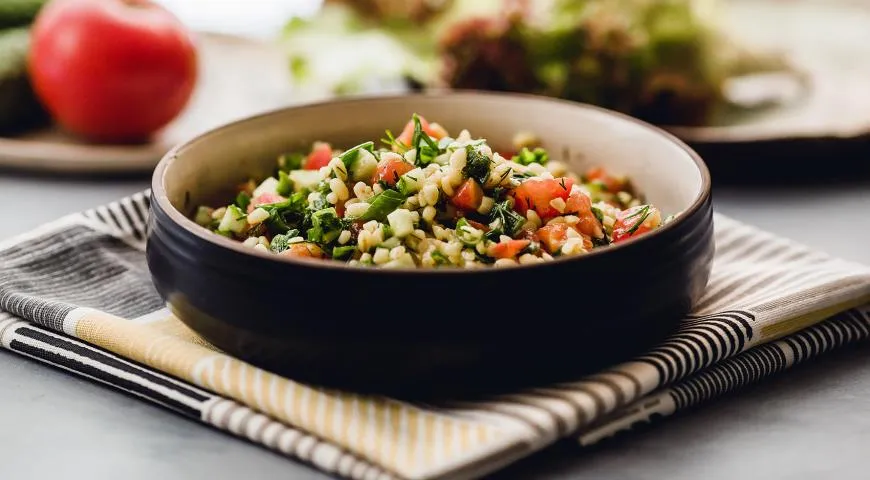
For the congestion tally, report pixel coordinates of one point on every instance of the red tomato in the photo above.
(535, 194)
(437, 132)
(264, 199)
(320, 156)
(111, 70)
(509, 249)
(633, 222)
(612, 184)
(581, 205)
(304, 249)
(468, 196)
(554, 236)
(390, 169)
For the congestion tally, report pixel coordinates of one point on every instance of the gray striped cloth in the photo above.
(771, 304)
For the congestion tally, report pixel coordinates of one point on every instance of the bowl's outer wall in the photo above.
(404, 331)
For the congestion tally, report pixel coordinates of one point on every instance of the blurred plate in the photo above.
(827, 40)
(824, 133)
(238, 77)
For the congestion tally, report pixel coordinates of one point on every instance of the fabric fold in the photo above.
(77, 295)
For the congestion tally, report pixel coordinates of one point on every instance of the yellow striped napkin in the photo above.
(770, 304)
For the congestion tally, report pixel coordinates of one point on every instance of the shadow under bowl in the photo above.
(445, 331)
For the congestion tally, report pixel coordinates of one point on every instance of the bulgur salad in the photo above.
(428, 199)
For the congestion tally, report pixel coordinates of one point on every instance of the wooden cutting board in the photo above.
(238, 78)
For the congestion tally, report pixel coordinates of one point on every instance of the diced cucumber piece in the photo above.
(362, 166)
(401, 222)
(233, 220)
(411, 182)
(305, 179)
(203, 216)
(269, 185)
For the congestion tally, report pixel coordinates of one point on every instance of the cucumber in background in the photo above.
(15, 13)
(19, 107)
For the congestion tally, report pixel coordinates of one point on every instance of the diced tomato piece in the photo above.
(433, 130)
(509, 249)
(580, 205)
(320, 156)
(635, 221)
(468, 196)
(611, 183)
(553, 236)
(390, 169)
(507, 154)
(304, 249)
(264, 199)
(578, 202)
(536, 194)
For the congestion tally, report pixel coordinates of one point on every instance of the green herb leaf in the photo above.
(383, 204)
(504, 220)
(286, 215)
(326, 226)
(281, 242)
(643, 213)
(476, 165)
(243, 200)
(427, 148)
(391, 142)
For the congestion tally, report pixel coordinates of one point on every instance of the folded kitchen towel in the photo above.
(77, 294)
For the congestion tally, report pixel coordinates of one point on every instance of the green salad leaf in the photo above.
(383, 204)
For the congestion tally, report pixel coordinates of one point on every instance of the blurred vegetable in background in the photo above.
(19, 108)
(15, 13)
(664, 61)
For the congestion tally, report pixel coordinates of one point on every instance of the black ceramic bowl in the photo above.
(411, 331)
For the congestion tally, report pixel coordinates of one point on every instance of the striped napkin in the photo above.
(76, 294)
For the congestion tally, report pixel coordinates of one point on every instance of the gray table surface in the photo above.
(812, 422)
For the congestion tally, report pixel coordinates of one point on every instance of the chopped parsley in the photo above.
(476, 165)
(326, 226)
(286, 215)
(528, 157)
(383, 204)
(643, 213)
(281, 241)
(243, 200)
(427, 148)
(504, 221)
(391, 142)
